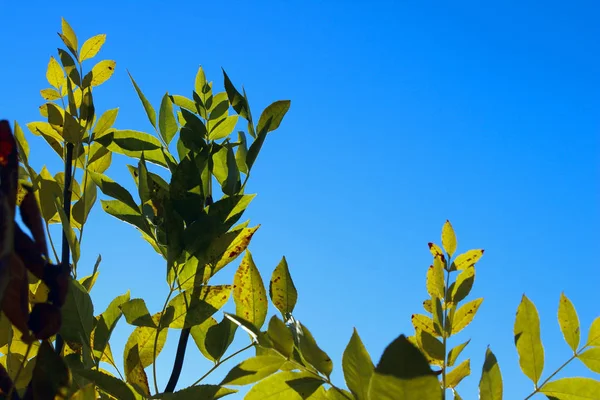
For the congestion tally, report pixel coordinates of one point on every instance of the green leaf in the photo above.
(358, 367)
(464, 315)
(282, 291)
(133, 144)
(423, 322)
(77, 315)
(225, 170)
(113, 189)
(461, 371)
(50, 94)
(105, 122)
(109, 384)
(212, 338)
(490, 385)
(140, 353)
(249, 292)
(44, 129)
(237, 101)
(88, 281)
(572, 389)
(241, 154)
(455, 352)
(312, 353)
(106, 323)
(100, 73)
(591, 359)
(448, 238)
(467, 259)
(432, 347)
(528, 341)
(147, 106)
(91, 47)
(253, 370)
(193, 307)
(69, 65)
(81, 209)
(388, 387)
(246, 326)
(183, 102)
(223, 128)
(69, 232)
(281, 336)
(50, 375)
(21, 142)
(435, 279)
(166, 120)
(68, 36)
(287, 385)
(569, 322)
(272, 116)
(204, 392)
(594, 333)
(136, 313)
(200, 81)
(125, 213)
(463, 285)
(55, 74)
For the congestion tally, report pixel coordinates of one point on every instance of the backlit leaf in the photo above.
(69, 232)
(282, 291)
(572, 389)
(125, 213)
(455, 352)
(424, 323)
(105, 121)
(281, 336)
(105, 324)
(55, 74)
(133, 144)
(435, 279)
(91, 47)
(457, 374)
(448, 238)
(467, 259)
(569, 322)
(253, 370)
(238, 102)
(68, 36)
(312, 353)
(113, 189)
(100, 73)
(593, 338)
(528, 340)
(463, 285)
(432, 347)
(223, 128)
(490, 385)
(242, 151)
(77, 314)
(591, 358)
(272, 116)
(436, 251)
(358, 367)
(194, 306)
(388, 387)
(166, 120)
(109, 384)
(289, 385)
(249, 292)
(464, 315)
(212, 338)
(50, 94)
(208, 392)
(136, 313)
(147, 105)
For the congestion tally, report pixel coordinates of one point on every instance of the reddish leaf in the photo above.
(27, 250)
(15, 303)
(45, 320)
(32, 217)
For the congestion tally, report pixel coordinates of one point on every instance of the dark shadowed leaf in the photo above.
(77, 315)
(136, 313)
(252, 370)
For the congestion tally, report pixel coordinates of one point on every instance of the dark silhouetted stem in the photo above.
(66, 253)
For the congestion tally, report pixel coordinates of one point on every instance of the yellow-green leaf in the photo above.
(249, 292)
(448, 238)
(87, 392)
(572, 389)
(55, 74)
(139, 353)
(91, 47)
(271, 117)
(166, 120)
(435, 279)
(288, 385)
(490, 384)
(358, 367)
(436, 251)
(100, 73)
(136, 313)
(461, 371)
(455, 352)
(528, 340)
(105, 121)
(253, 369)
(591, 358)
(282, 291)
(68, 36)
(281, 336)
(147, 105)
(467, 259)
(194, 306)
(464, 315)
(424, 323)
(569, 322)
(50, 94)
(389, 387)
(462, 286)
(223, 128)
(430, 346)
(594, 333)
(312, 353)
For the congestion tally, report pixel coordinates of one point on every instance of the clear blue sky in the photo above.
(404, 114)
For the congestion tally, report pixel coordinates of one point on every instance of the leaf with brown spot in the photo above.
(249, 292)
(464, 315)
(424, 323)
(282, 291)
(436, 251)
(467, 259)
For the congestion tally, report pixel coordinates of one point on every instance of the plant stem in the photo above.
(158, 328)
(219, 362)
(537, 389)
(444, 329)
(65, 243)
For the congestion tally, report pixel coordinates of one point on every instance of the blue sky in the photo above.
(404, 114)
